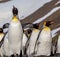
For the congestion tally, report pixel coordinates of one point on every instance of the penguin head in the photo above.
(29, 31)
(15, 14)
(1, 30)
(28, 28)
(36, 26)
(48, 23)
(15, 11)
(6, 25)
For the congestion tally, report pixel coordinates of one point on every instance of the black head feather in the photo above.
(6, 25)
(15, 11)
(36, 25)
(48, 23)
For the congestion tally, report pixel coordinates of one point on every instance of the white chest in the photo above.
(45, 39)
(45, 36)
(1, 36)
(15, 32)
(32, 42)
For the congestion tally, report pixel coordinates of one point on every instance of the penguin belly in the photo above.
(45, 39)
(24, 40)
(58, 45)
(32, 42)
(5, 47)
(15, 34)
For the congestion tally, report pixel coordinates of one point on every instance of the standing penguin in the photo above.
(33, 38)
(58, 45)
(26, 35)
(45, 40)
(15, 33)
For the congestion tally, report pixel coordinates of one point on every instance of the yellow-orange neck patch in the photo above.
(46, 28)
(36, 30)
(15, 19)
(1, 33)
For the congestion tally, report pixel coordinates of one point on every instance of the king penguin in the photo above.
(33, 38)
(15, 33)
(27, 32)
(45, 40)
(58, 45)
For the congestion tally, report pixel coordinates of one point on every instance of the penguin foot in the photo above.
(21, 54)
(52, 55)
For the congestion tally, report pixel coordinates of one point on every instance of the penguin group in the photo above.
(27, 40)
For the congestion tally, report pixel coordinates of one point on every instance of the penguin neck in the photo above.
(46, 28)
(35, 29)
(15, 19)
(2, 33)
